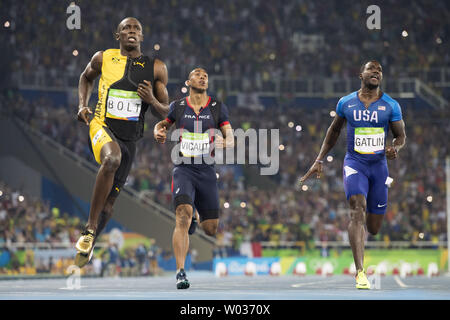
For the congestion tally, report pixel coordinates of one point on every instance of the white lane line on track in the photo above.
(400, 282)
(298, 285)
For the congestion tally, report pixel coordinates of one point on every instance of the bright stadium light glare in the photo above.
(421, 235)
(226, 205)
(156, 46)
(243, 204)
(1, 193)
(304, 187)
(272, 56)
(7, 24)
(75, 52)
(217, 175)
(404, 33)
(290, 124)
(281, 147)
(184, 90)
(298, 128)
(430, 199)
(330, 158)
(438, 40)
(21, 198)
(332, 113)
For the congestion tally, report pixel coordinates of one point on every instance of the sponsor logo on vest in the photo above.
(139, 63)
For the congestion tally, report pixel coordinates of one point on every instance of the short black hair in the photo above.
(196, 68)
(117, 29)
(361, 69)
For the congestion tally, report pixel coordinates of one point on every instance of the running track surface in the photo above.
(206, 286)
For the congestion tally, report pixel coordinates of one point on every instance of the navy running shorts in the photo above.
(197, 186)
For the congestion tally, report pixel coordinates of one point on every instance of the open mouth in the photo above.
(132, 39)
(375, 77)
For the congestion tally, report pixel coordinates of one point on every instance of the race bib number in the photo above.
(369, 140)
(194, 144)
(123, 105)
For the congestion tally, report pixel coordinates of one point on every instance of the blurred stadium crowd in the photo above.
(253, 40)
(28, 223)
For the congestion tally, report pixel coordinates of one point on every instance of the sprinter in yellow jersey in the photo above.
(130, 84)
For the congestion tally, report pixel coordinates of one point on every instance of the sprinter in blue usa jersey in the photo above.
(194, 181)
(369, 114)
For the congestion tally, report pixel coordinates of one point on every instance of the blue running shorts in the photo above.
(368, 179)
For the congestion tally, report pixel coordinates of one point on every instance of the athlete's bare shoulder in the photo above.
(97, 60)
(94, 67)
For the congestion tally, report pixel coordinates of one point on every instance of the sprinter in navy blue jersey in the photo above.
(194, 181)
(369, 114)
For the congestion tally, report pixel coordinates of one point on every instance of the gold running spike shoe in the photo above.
(83, 259)
(86, 242)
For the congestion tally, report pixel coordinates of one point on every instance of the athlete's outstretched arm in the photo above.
(330, 140)
(398, 131)
(157, 96)
(160, 130)
(86, 85)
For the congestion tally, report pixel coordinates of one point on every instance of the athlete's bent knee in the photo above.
(111, 162)
(372, 230)
(374, 223)
(357, 209)
(183, 215)
(357, 215)
(210, 227)
(210, 230)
